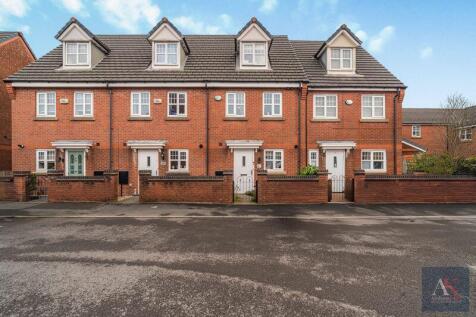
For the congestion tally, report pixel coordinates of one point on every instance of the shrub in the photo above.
(466, 166)
(433, 164)
(309, 170)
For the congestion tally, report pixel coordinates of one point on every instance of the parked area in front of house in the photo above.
(348, 260)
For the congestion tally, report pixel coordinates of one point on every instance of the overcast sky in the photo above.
(428, 44)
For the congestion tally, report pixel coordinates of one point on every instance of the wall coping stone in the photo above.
(6, 179)
(421, 178)
(81, 179)
(185, 178)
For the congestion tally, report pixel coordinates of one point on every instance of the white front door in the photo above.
(243, 169)
(149, 161)
(335, 164)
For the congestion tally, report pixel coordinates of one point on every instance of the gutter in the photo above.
(397, 95)
(110, 125)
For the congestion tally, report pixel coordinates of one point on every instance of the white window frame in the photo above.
(77, 64)
(272, 104)
(166, 54)
(309, 159)
(179, 169)
(325, 116)
(140, 104)
(76, 115)
(179, 115)
(254, 63)
(274, 169)
(464, 133)
(45, 160)
(45, 114)
(373, 116)
(372, 169)
(416, 131)
(341, 58)
(234, 115)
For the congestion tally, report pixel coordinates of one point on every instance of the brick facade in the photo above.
(433, 137)
(14, 55)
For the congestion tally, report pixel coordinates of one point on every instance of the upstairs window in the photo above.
(341, 59)
(272, 106)
(83, 104)
(166, 54)
(77, 54)
(46, 104)
(374, 161)
(373, 107)
(325, 106)
(416, 131)
(140, 104)
(273, 160)
(178, 160)
(177, 104)
(466, 134)
(254, 54)
(45, 160)
(235, 104)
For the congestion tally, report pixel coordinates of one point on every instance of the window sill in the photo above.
(325, 120)
(82, 119)
(177, 119)
(271, 172)
(383, 172)
(373, 120)
(45, 119)
(139, 119)
(178, 173)
(466, 141)
(235, 119)
(272, 119)
(416, 137)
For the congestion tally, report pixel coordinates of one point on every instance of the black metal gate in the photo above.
(37, 186)
(341, 188)
(244, 189)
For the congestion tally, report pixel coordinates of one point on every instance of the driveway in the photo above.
(365, 264)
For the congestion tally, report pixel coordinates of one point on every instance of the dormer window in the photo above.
(341, 58)
(166, 54)
(77, 54)
(254, 54)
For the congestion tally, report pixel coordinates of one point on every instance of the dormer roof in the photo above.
(342, 29)
(251, 22)
(164, 22)
(75, 22)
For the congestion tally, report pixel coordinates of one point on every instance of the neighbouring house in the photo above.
(14, 55)
(200, 104)
(426, 130)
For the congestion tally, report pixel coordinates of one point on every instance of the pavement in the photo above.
(195, 260)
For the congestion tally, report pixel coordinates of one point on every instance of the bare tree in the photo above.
(456, 116)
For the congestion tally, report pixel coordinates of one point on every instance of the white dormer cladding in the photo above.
(338, 53)
(254, 43)
(167, 49)
(81, 50)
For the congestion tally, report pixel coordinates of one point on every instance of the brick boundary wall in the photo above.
(14, 187)
(83, 188)
(274, 189)
(370, 189)
(7, 189)
(186, 189)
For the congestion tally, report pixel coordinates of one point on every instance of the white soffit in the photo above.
(146, 144)
(244, 144)
(337, 145)
(72, 144)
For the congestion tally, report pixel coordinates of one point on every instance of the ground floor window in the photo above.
(273, 160)
(45, 160)
(466, 134)
(374, 160)
(178, 160)
(313, 159)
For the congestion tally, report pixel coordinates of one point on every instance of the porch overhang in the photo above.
(337, 145)
(72, 144)
(414, 146)
(244, 144)
(146, 144)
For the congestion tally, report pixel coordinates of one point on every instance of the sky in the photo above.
(427, 44)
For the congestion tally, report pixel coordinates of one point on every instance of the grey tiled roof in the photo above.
(424, 115)
(370, 73)
(5, 36)
(212, 57)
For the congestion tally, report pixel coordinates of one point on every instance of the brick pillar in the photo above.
(261, 176)
(20, 183)
(359, 185)
(143, 182)
(114, 182)
(323, 178)
(228, 182)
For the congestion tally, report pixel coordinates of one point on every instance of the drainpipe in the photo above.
(395, 98)
(206, 127)
(299, 126)
(110, 125)
(305, 127)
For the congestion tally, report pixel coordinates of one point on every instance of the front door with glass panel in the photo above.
(335, 165)
(76, 164)
(149, 161)
(243, 170)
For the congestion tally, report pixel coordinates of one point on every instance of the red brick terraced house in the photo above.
(198, 104)
(14, 55)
